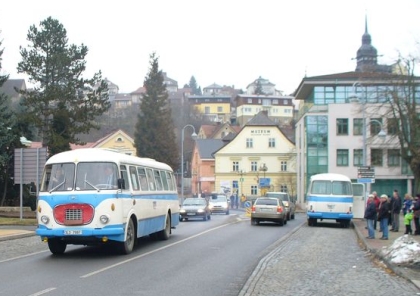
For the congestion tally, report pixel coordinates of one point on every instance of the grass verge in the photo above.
(17, 221)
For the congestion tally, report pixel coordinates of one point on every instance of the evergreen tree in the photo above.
(9, 138)
(154, 135)
(62, 104)
(194, 87)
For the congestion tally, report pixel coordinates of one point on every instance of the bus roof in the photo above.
(103, 155)
(330, 176)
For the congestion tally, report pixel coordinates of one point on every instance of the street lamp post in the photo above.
(194, 136)
(381, 134)
(263, 168)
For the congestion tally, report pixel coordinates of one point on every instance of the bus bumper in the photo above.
(115, 233)
(327, 215)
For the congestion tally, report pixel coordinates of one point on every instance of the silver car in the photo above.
(268, 209)
(287, 202)
(219, 204)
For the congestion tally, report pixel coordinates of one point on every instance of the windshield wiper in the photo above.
(90, 184)
(64, 181)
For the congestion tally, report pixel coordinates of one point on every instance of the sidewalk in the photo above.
(376, 245)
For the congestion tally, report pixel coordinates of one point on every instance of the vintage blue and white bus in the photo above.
(98, 196)
(330, 196)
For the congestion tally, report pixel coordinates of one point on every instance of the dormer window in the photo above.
(119, 139)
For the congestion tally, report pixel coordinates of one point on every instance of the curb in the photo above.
(15, 235)
(377, 254)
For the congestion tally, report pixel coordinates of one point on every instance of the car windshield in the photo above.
(195, 202)
(219, 199)
(266, 202)
(276, 195)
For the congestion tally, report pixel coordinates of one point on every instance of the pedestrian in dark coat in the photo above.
(396, 205)
(416, 213)
(384, 214)
(370, 216)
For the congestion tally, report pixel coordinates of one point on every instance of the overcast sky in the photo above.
(221, 41)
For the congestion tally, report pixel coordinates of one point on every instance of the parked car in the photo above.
(195, 208)
(268, 209)
(287, 202)
(219, 204)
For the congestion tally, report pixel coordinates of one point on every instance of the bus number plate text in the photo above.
(72, 232)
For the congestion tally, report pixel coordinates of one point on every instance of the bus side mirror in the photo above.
(121, 183)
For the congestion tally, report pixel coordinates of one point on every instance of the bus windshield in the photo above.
(89, 176)
(58, 177)
(328, 187)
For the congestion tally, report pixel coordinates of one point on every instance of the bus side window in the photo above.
(124, 175)
(158, 180)
(165, 180)
(151, 179)
(143, 179)
(134, 178)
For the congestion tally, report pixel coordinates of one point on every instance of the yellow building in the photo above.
(261, 157)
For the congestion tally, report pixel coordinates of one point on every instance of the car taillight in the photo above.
(279, 209)
(253, 208)
(73, 214)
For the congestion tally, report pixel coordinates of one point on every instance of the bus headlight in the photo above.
(45, 219)
(104, 219)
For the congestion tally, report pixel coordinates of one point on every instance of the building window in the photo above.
(283, 166)
(219, 109)
(207, 110)
(342, 126)
(254, 166)
(283, 188)
(376, 157)
(393, 157)
(375, 127)
(254, 189)
(357, 157)
(249, 143)
(342, 157)
(235, 166)
(249, 101)
(392, 126)
(357, 126)
(271, 142)
(275, 102)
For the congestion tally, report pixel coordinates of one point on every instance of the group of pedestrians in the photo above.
(387, 211)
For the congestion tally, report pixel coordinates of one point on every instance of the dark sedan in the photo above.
(195, 208)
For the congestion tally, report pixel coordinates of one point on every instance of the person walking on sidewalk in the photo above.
(407, 221)
(416, 213)
(384, 214)
(370, 216)
(396, 205)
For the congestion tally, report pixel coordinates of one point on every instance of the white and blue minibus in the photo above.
(97, 196)
(330, 196)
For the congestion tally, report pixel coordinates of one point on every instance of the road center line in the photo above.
(23, 256)
(43, 292)
(154, 251)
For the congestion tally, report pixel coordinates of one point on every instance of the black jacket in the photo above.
(384, 210)
(370, 212)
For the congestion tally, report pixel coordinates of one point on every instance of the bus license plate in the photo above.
(72, 232)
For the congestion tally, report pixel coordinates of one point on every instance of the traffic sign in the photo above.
(366, 172)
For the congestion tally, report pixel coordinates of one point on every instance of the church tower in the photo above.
(367, 54)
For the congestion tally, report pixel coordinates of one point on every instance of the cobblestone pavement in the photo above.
(324, 260)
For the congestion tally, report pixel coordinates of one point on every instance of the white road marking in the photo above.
(43, 292)
(23, 256)
(151, 252)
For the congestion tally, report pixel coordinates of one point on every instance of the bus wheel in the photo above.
(56, 246)
(165, 233)
(127, 246)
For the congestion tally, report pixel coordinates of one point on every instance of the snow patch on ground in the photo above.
(404, 251)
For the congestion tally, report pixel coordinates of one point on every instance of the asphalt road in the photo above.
(203, 258)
